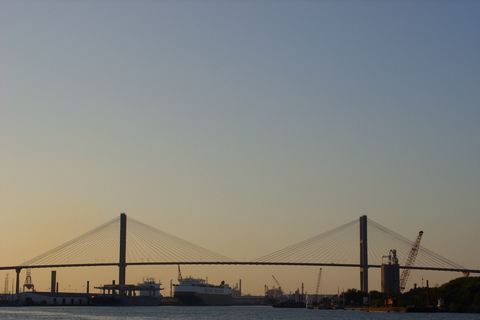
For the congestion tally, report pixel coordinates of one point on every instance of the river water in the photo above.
(200, 313)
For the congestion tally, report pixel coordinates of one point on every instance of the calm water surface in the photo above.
(200, 313)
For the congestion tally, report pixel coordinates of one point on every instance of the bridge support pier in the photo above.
(363, 255)
(17, 286)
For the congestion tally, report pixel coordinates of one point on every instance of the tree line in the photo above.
(458, 295)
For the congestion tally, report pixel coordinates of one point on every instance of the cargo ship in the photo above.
(197, 292)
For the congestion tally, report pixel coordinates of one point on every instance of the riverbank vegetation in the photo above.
(458, 295)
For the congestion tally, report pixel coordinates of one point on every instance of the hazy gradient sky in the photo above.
(242, 126)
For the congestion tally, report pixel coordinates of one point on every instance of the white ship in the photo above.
(191, 291)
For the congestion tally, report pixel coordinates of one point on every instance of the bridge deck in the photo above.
(255, 263)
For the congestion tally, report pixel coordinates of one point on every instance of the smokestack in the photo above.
(53, 282)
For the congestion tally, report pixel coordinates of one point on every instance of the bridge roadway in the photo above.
(252, 263)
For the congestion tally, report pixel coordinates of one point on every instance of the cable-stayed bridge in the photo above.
(115, 244)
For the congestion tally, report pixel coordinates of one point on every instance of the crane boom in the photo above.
(179, 274)
(410, 261)
(276, 281)
(318, 284)
(279, 290)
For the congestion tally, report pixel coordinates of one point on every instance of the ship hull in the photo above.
(109, 300)
(203, 299)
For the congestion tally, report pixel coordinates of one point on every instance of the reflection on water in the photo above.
(200, 313)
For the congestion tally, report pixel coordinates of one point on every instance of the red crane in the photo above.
(410, 261)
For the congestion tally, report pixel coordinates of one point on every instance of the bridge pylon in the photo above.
(363, 255)
(122, 263)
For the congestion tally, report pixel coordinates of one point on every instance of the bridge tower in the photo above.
(122, 263)
(363, 255)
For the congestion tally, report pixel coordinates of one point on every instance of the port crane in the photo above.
(410, 261)
(318, 284)
(179, 274)
(279, 290)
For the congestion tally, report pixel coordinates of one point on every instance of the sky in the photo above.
(241, 126)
